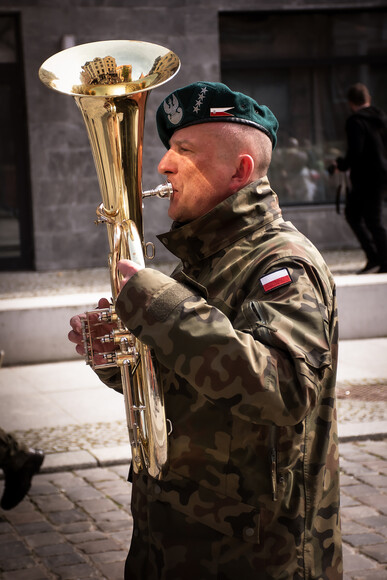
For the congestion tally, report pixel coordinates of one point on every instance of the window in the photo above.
(15, 214)
(301, 65)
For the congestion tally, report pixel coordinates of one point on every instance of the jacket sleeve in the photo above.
(111, 378)
(266, 372)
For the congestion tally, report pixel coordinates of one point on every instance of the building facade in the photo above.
(296, 56)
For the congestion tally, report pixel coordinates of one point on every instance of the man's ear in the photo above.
(243, 173)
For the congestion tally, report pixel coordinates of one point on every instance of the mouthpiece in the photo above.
(162, 191)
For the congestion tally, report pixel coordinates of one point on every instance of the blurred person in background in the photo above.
(19, 464)
(366, 160)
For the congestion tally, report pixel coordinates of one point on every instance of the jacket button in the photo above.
(157, 489)
(249, 532)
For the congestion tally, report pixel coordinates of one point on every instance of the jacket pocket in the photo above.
(315, 352)
(217, 511)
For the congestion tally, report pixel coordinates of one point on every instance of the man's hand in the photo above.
(127, 268)
(98, 329)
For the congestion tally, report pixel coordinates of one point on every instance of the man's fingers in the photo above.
(74, 337)
(75, 323)
(128, 268)
(97, 329)
(80, 349)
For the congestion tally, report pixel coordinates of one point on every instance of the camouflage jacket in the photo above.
(248, 364)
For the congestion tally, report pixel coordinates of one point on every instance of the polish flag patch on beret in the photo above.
(275, 280)
(221, 112)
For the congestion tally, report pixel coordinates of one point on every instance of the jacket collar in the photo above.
(240, 214)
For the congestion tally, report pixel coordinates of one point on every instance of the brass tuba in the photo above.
(110, 82)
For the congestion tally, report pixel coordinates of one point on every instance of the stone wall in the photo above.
(65, 190)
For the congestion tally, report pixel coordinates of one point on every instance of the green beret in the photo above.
(204, 102)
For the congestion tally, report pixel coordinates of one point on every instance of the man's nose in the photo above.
(166, 164)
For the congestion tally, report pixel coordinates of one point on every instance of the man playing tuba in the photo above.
(245, 331)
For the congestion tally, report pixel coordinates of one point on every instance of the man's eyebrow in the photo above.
(182, 141)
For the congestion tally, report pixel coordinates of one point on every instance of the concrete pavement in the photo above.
(65, 409)
(76, 522)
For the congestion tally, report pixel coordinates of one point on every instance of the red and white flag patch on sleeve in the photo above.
(275, 279)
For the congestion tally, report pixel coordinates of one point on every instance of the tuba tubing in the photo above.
(110, 82)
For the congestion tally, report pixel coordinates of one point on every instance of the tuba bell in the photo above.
(110, 82)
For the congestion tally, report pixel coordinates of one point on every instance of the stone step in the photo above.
(362, 306)
(34, 329)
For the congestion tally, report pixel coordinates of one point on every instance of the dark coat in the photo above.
(366, 156)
